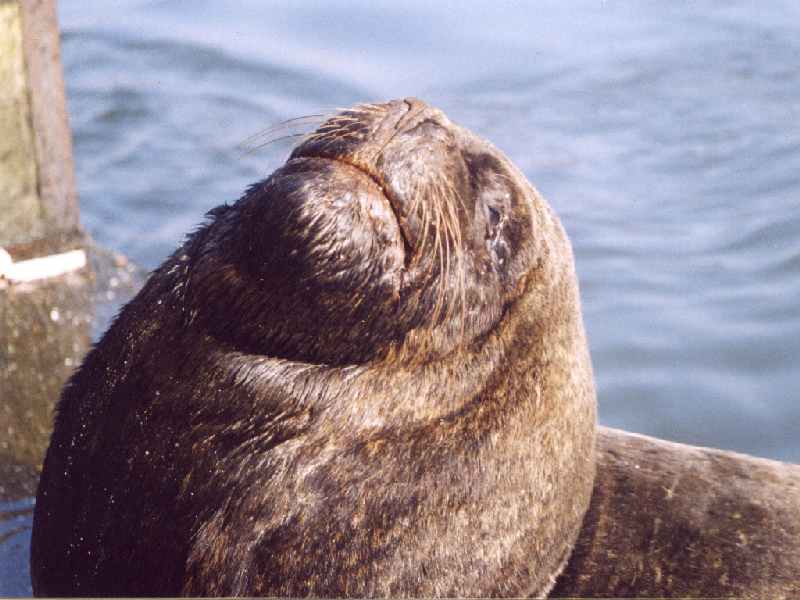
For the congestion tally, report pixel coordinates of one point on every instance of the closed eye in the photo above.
(494, 217)
(494, 223)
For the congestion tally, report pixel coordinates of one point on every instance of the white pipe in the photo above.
(40, 268)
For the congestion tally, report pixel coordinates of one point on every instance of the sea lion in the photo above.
(367, 377)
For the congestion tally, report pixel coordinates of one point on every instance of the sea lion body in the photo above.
(368, 377)
(669, 520)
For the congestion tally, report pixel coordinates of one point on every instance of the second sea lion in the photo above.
(367, 377)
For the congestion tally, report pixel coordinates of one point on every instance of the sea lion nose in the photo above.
(415, 105)
(399, 108)
(405, 114)
(416, 112)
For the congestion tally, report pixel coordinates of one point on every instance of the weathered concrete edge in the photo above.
(50, 121)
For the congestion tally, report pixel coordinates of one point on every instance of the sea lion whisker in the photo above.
(286, 124)
(424, 222)
(445, 238)
(453, 226)
(267, 136)
(253, 148)
(460, 296)
(428, 236)
(452, 256)
(367, 108)
(345, 118)
(415, 201)
(440, 258)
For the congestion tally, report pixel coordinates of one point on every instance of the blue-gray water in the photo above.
(665, 134)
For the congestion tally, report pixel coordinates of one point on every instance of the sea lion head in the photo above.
(390, 230)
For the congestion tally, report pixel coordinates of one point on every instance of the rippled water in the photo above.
(666, 135)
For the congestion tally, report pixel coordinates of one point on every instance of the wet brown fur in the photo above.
(669, 520)
(368, 377)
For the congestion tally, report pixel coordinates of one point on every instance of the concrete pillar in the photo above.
(45, 295)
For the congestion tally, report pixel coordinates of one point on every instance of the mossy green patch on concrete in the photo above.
(20, 208)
